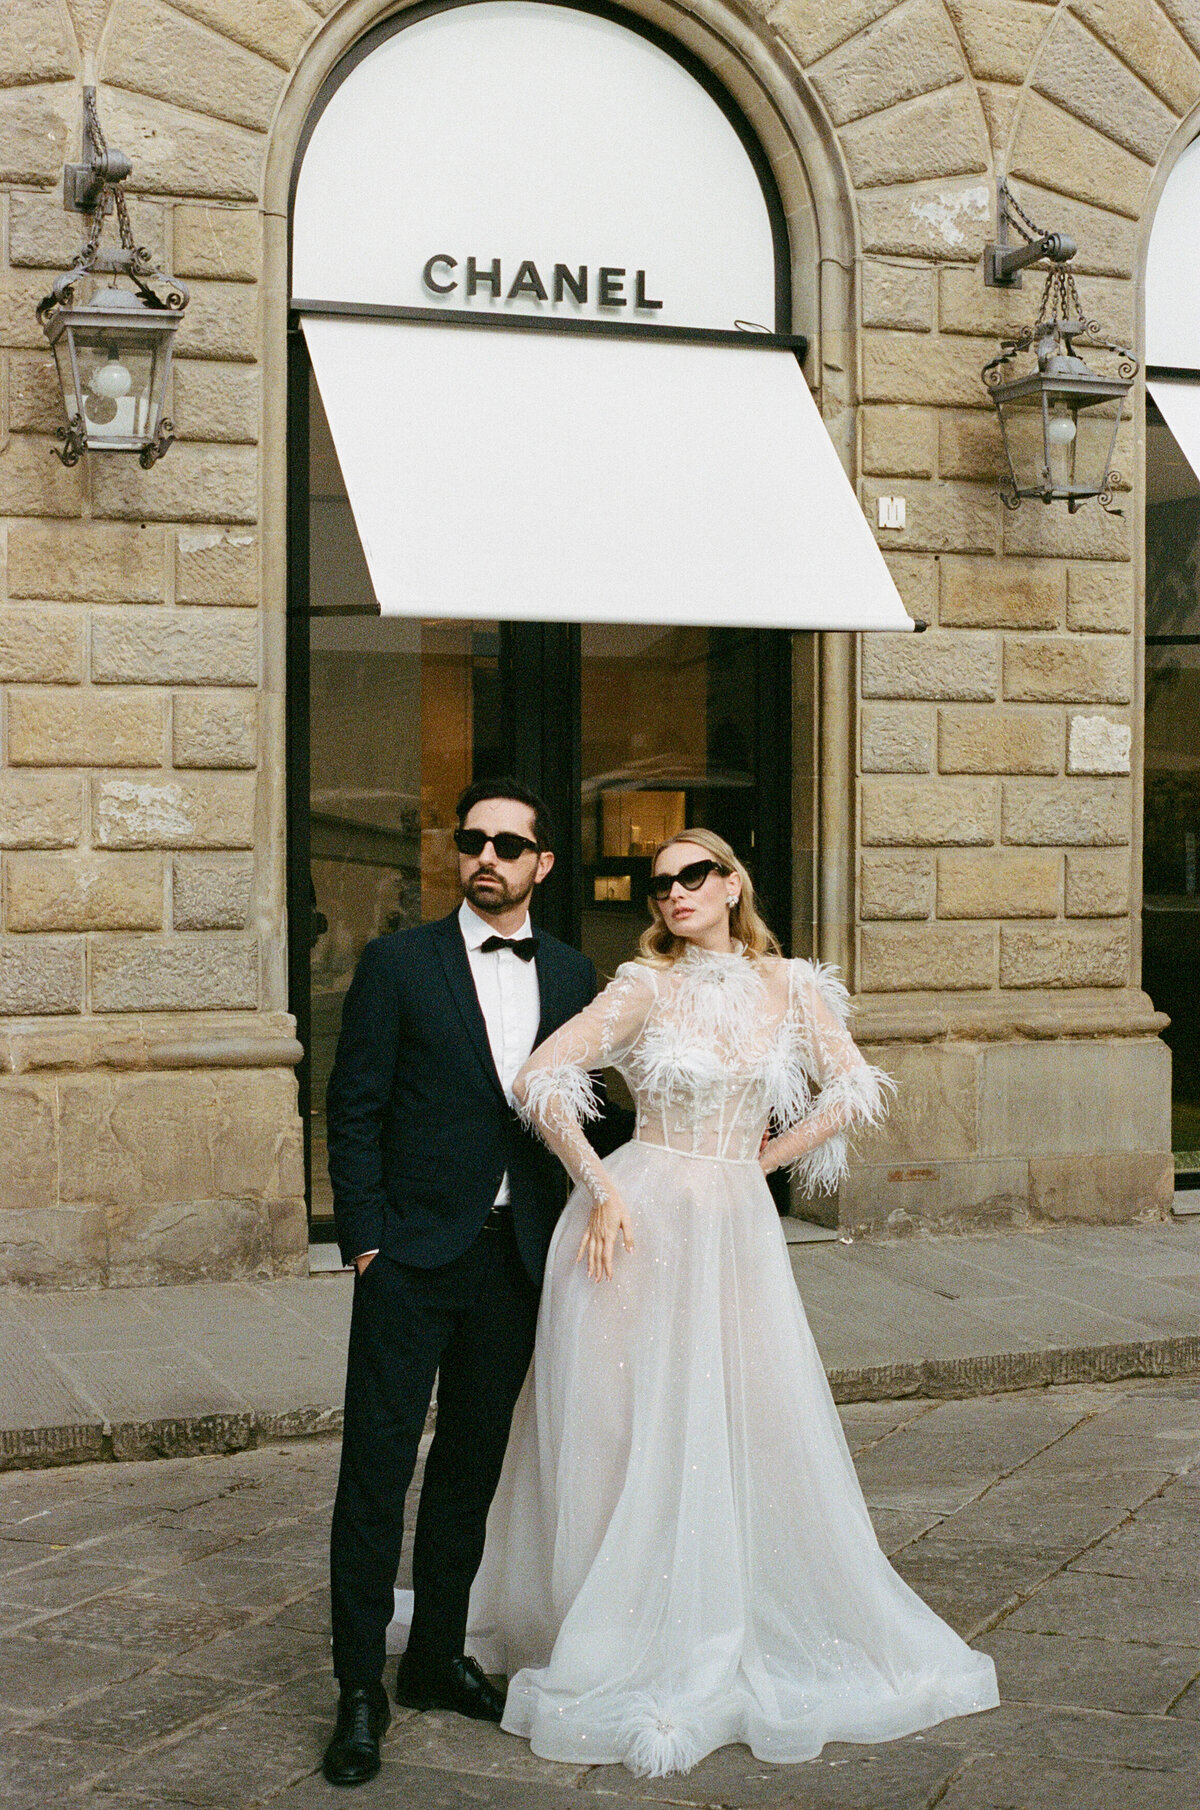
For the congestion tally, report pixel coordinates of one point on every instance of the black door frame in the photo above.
(299, 891)
(1180, 1035)
(540, 735)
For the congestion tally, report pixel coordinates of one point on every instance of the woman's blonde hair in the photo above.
(659, 947)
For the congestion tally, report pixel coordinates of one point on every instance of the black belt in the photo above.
(498, 1217)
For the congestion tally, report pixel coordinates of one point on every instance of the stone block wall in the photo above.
(997, 807)
(146, 1059)
(991, 820)
(991, 758)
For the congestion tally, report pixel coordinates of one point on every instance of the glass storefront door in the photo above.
(630, 732)
(1171, 863)
(401, 717)
(670, 738)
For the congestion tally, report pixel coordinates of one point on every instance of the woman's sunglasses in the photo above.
(691, 878)
(507, 844)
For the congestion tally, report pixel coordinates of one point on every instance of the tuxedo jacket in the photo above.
(420, 1132)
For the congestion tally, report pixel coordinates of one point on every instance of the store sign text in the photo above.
(443, 275)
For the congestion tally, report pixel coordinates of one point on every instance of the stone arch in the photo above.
(896, 82)
(739, 47)
(1099, 110)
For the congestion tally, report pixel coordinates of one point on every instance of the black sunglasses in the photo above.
(691, 878)
(507, 844)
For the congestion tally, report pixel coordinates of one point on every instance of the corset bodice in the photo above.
(716, 1049)
(696, 1097)
(717, 1058)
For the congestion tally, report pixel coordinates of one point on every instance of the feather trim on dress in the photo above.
(712, 1019)
(860, 1094)
(563, 1089)
(654, 1743)
(788, 1084)
(832, 988)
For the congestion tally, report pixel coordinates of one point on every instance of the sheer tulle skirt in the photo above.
(679, 1554)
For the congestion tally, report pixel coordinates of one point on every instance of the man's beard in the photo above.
(497, 899)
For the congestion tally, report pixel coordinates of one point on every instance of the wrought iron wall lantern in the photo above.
(1059, 419)
(112, 349)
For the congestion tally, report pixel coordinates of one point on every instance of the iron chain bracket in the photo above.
(1002, 262)
(96, 187)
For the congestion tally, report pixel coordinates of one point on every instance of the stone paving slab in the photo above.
(164, 1629)
(164, 1372)
(1133, 1680)
(1003, 1782)
(970, 1315)
(140, 1373)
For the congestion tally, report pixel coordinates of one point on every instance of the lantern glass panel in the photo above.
(1094, 442)
(1024, 440)
(117, 372)
(66, 375)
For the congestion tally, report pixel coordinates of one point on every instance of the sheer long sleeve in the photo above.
(555, 1094)
(813, 1145)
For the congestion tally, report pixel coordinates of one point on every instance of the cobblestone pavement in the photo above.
(164, 1628)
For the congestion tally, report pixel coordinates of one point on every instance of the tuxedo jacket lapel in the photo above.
(453, 952)
(553, 1004)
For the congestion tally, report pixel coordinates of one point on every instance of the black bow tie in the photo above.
(523, 946)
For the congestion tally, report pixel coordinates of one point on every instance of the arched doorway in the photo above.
(675, 705)
(1171, 824)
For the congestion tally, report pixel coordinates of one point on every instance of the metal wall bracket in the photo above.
(1003, 264)
(1003, 261)
(84, 183)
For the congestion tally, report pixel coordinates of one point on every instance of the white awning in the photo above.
(1179, 402)
(576, 478)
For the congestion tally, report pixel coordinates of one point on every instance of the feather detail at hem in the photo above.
(861, 1096)
(561, 1090)
(653, 1743)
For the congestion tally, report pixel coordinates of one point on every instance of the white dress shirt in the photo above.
(507, 990)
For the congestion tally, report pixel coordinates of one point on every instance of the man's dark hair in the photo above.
(482, 789)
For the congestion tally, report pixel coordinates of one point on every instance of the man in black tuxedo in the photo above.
(445, 1205)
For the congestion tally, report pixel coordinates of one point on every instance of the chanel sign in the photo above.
(610, 288)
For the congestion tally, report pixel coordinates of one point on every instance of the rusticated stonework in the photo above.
(990, 825)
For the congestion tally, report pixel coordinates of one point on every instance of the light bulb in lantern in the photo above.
(108, 386)
(112, 380)
(1060, 443)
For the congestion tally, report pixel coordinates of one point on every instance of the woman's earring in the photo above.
(731, 904)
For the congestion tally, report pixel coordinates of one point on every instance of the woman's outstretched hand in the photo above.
(600, 1239)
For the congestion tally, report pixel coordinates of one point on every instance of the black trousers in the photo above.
(471, 1324)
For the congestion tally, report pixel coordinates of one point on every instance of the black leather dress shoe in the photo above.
(352, 1756)
(456, 1684)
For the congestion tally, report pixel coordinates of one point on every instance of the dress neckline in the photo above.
(697, 957)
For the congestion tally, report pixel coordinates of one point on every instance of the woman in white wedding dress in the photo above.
(679, 1554)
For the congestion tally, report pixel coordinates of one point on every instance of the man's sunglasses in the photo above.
(691, 878)
(507, 844)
